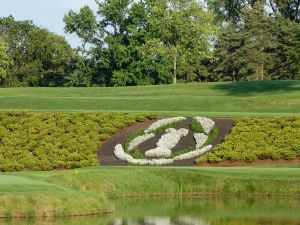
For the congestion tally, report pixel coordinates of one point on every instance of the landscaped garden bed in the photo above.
(258, 140)
(47, 141)
(168, 141)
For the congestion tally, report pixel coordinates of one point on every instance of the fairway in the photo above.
(265, 98)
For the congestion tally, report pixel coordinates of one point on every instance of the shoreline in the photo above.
(113, 184)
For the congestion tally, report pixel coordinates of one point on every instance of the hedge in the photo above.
(48, 141)
(259, 139)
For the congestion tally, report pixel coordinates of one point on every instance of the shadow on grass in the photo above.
(256, 87)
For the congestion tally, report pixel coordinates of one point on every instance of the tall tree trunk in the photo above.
(297, 10)
(175, 69)
(260, 72)
(233, 75)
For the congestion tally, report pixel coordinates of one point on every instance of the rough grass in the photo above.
(265, 98)
(84, 191)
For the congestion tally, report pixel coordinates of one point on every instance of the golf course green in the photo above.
(90, 191)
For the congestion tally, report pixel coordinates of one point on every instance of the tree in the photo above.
(39, 57)
(182, 30)
(259, 47)
(4, 61)
(231, 10)
(143, 42)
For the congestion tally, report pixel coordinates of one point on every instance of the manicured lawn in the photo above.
(266, 98)
(86, 190)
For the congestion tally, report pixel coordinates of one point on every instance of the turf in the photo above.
(85, 191)
(257, 98)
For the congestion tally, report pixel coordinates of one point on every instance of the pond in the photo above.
(191, 211)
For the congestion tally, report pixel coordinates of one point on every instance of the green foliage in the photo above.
(131, 137)
(38, 57)
(197, 128)
(260, 47)
(4, 61)
(174, 154)
(253, 139)
(134, 46)
(163, 128)
(47, 141)
(136, 153)
(212, 136)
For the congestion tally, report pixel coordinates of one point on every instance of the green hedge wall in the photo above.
(253, 139)
(47, 141)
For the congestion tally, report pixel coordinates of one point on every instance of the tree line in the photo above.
(145, 42)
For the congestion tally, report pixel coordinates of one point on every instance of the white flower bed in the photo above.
(200, 139)
(193, 154)
(163, 122)
(139, 140)
(159, 162)
(158, 152)
(168, 141)
(206, 123)
(120, 154)
(171, 139)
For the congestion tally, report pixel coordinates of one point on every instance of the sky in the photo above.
(45, 13)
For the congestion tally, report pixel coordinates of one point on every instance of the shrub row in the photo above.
(254, 139)
(47, 141)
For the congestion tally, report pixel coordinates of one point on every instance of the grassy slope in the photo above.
(211, 99)
(68, 192)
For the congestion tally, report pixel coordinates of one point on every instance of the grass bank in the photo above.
(265, 98)
(85, 191)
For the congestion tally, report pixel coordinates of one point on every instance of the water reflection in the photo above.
(184, 220)
(190, 211)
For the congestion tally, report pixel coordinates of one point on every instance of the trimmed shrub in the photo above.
(47, 141)
(253, 139)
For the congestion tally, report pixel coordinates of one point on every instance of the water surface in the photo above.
(191, 211)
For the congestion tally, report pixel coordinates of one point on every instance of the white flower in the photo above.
(206, 123)
(158, 152)
(139, 140)
(171, 139)
(141, 162)
(120, 154)
(159, 162)
(162, 122)
(194, 154)
(167, 142)
(200, 139)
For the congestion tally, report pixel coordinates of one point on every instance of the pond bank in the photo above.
(87, 191)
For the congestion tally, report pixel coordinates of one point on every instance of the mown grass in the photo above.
(265, 98)
(84, 191)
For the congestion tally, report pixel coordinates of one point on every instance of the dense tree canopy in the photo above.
(128, 42)
(261, 47)
(145, 42)
(4, 61)
(39, 57)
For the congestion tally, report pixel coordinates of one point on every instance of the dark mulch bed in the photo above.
(107, 158)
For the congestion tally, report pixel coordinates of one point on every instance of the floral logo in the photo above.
(204, 131)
